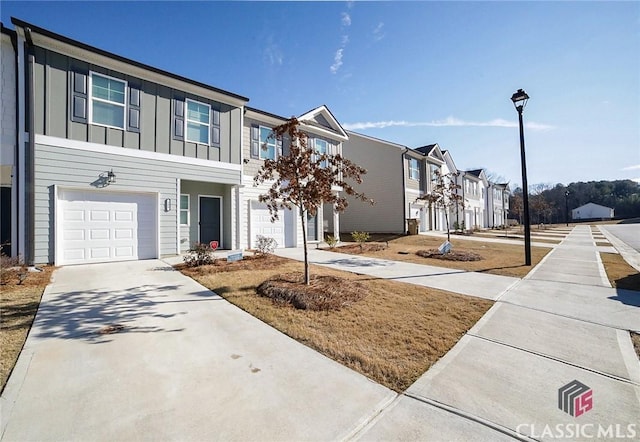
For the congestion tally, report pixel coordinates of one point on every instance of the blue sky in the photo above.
(413, 73)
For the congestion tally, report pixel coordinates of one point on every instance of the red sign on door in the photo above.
(213, 245)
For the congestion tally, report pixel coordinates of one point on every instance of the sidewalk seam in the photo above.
(552, 358)
(487, 423)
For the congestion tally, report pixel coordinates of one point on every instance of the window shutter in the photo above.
(255, 142)
(133, 120)
(215, 127)
(286, 145)
(279, 146)
(177, 119)
(79, 100)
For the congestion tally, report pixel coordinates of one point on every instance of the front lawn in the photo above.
(18, 306)
(621, 275)
(392, 335)
(497, 258)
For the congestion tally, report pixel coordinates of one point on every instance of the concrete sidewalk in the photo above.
(186, 366)
(561, 323)
(483, 285)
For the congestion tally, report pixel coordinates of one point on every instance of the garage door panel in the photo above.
(106, 226)
(261, 225)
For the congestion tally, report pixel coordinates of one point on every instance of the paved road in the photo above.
(628, 233)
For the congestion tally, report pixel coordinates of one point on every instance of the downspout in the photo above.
(30, 165)
(14, 170)
(405, 203)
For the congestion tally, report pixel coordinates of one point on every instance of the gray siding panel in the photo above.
(148, 119)
(78, 131)
(53, 72)
(57, 83)
(41, 90)
(81, 169)
(162, 119)
(115, 137)
(235, 140)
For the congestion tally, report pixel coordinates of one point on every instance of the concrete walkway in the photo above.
(625, 238)
(186, 366)
(483, 285)
(561, 323)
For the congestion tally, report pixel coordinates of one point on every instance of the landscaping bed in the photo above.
(390, 332)
(451, 256)
(621, 275)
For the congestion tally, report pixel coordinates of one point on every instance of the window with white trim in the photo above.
(414, 169)
(107, 101)
(267, 144)
(184, 210)
(321, 149)
(197, 122)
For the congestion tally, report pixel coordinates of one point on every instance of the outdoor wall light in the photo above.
(167, 205)
(111, 177)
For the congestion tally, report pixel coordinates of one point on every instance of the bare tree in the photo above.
(304, 178)
(444, 194)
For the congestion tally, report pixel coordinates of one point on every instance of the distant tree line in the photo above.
(547, 202)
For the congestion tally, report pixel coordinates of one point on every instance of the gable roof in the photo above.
(322, 120)
(45, 37)
(426, 149)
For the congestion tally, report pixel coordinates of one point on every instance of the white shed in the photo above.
(592, 211)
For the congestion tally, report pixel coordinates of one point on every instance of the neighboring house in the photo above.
(325, 135)
(473, 184)
(497, 204)
(592, 211)
(8, 141)
(397, 177)
(118, 160)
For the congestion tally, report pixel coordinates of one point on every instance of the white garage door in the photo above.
(281, 230)
(105, 226)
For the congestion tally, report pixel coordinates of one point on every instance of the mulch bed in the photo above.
(251, 262)
(322, 294)
(355, 248)
(451, 256)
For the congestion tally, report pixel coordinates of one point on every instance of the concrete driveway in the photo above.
(186, 365)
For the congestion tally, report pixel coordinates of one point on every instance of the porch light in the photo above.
(111, 177)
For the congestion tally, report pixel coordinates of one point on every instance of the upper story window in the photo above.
(107, 101)
(414, 169)
(267, 144)
(321, 149)
(467, 186)
(197, 122)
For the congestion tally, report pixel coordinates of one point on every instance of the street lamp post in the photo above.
(566, 206)
(520, 99)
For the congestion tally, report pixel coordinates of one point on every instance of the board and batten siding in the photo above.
(80, 169)
(382, 183)
(53, 73)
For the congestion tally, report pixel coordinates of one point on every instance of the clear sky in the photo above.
(414, 73)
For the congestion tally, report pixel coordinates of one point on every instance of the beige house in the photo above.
(397, 177)
(325, 135)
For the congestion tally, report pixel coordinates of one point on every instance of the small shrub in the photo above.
(198, 255)
(456, 226)
(331, 241)
(11, 268)
(265, 245)
(360, 237)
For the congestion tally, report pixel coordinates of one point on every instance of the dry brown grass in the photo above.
(620, 273)
(18, 306)
(392, 335)
(635, 338)
(497, 258)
